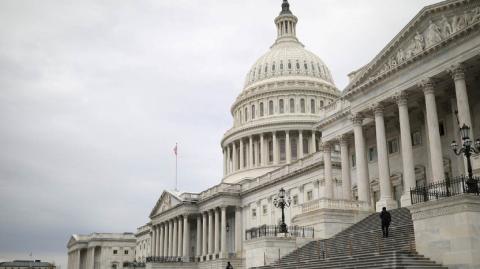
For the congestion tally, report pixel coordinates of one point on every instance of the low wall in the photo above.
(448, 230)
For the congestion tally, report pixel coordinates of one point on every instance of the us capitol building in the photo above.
(340, 156)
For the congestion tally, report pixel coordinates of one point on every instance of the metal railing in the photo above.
(274, 231)
(133, 264)
(443, 189)
(163, 259)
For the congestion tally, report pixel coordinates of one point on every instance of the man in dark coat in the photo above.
(386, 219)
(229, 266)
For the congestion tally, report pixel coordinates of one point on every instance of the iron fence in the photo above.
(443, 189)
(274, 230)
(164, 259)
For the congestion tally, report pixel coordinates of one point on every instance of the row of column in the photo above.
(258, 152)
(436, 155)
(171, 238)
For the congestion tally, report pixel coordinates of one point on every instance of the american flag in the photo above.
(175, 149)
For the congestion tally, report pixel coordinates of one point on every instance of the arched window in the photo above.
(298, 65)
(305, 65)
(240, 116)
(270, 151)
(313, 67)
(281, 107)
(292, 105)
(270, 107)
(253, 112)
(266, 68)
(293, 145)
(312, 106)
(302, 105)
(281, 65)
(321, 103)
(283, 154)
(261, 109)
(273, 67)
(289, 65)
(246, 114)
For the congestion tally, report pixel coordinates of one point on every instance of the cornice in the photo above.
(333, 118)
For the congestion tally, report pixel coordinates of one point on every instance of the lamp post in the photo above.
(467, 149)
(282, 201)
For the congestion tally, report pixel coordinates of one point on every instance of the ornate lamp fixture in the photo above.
(467, 150)
(282, 201)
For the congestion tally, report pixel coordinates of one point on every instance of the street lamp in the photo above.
(282, 201)
(467, 150)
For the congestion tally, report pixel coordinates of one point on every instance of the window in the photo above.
(253, 112)
(126, 252)
(416, 138)
(266, 69)
(240, 116)
(309, 195)
(254, 212)
(298, 65)
(270, 107)
(305, 146)
(305, 65)
(292, 105)
(246, 114)
(281, 106)
(441, 128)
(372, 154)
(264, 209)
(115, 251)
(295, 200)
(281, 65)
(321, 103)
(392, 146)
(312, 106)
(270, 151)
(282, 150)
(273, 67)
(302, 105)
(261, 109)
(293, 144)
(289, 65)
(354, 161)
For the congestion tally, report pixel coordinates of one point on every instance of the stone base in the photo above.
(213, 264)
(448, 230)
(406, 200)
(266, 250)
(389, 203)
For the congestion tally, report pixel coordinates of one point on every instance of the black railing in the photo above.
(164, 259)
(274, 230)
(133, 264)
(443, 189)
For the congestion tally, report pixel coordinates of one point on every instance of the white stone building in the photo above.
(340, 155)
(143, 243)
(101, 250)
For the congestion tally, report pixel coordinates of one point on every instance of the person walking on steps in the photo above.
(229, 266)
(386, 219)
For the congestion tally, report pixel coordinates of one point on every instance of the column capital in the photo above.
(400, 98)
(457, 71)
(357, 119)
(326, 146)
(377, 109)
(427, 85)
(344, 139)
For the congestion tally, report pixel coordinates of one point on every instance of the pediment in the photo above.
(166, 201)
(432, 28)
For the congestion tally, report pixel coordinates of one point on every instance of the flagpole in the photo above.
(176, 168)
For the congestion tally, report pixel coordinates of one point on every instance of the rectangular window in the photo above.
(254, 212)
(283, 154)
(261, 109)
(270, 107)
(126, 252)
(281, 107)
(354, 161)
(115, 251)
(270, 151)
(416, 138)
(264, 209)
(392, 146)
(372, 154)
(295, 200)
(305, 146)
(309, 195)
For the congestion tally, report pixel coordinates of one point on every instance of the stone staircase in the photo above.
(362, 246)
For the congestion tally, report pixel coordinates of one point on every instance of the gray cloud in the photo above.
(95, 94)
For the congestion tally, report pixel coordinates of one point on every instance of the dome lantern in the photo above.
(286, 24)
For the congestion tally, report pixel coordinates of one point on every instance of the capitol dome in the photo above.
(274, 115)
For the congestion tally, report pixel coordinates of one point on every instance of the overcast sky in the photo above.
(95, 94)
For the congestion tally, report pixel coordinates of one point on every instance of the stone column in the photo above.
(160, 241)
(242, 163)
(210, 232)
(229, 160)
(238, 230)
(250, 158)
(263, 157)
(180, 237)
(313, 146)
(346, 178)
(224, 161)
(166, 241)
(186, 239)
(154, 240)
(288, 147)
(258, 153)
(407, 151)
(386, 195)
(234, 157)
(463, 106)
(275, 148)
(436, 155)
(327, 161)
(205, 233)
(175, 238)
(223, 241)
(199, 236)
(170, 238)
(363, 182)
(300, 144)
(217, 232)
